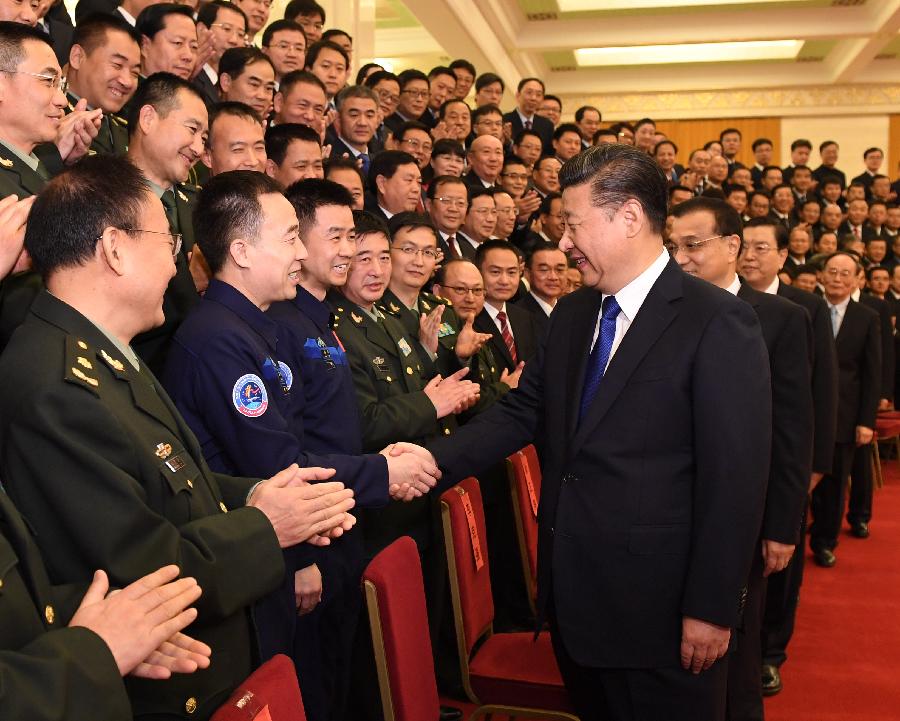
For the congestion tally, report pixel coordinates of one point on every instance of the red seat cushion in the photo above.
(887, 427)
(514, 670)
(272, 687)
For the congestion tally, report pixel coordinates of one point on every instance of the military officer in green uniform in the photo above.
(168, 127)
(102, 464)
(104, 64)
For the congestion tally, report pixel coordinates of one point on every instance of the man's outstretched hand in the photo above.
(411, 475)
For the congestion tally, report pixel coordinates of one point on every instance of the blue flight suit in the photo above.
(243, 396)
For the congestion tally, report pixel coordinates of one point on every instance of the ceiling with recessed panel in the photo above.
(589, 47)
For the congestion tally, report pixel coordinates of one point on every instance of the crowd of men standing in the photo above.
(244, 276)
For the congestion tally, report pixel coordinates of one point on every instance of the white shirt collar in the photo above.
(773, 289)
(356, 153)
(524, 119)
(388, 213)
(492, 311)
(734, 286)
(128, 16)
(842, 306)
(855, 295)
(545, 306)
(632, 296)
(211, 74)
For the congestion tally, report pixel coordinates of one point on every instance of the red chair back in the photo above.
(470, 577)
(395, 596)
(270, 693)
(525, 481)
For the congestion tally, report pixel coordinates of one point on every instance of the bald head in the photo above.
(486, 157)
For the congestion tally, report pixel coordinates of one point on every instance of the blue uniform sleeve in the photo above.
(239, 409)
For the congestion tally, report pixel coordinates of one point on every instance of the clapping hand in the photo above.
(429, 327)
(77, 131)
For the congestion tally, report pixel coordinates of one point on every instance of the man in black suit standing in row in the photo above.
(857, 335)
(545, 270)
(654, 486)
(529, 96)
(514, 331)
(706, 241)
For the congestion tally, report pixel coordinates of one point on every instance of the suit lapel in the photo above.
(654, 316)
(485, 324)
(584, 322)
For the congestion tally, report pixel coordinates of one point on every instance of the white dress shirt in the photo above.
(492, 312)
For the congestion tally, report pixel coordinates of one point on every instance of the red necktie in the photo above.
(454, 250)
(507, 336)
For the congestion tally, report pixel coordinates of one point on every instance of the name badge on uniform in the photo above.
(404, 347)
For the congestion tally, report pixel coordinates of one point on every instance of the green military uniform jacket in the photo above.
(97, 458)
(181, 295)
(48, 671)
(388, 378)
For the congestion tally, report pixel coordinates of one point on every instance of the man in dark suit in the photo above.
(394, 184)
(788, 334)
(515, 331)
(765, 249)
(447, 200)
(529, 95)
(858, 339)
(58, 25)
(645, 547)
(227, 27)
(545, 270)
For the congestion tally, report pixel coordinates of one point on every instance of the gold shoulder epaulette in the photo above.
(79, 369)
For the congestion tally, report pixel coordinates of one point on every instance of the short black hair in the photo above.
(405, 127)
(540, 247)
(489, 245)
(366, 223)
(579, 114)
(617, 173)
(831, 179)
(441, 70)
(729, 131)
(485, 79)
(407, 76)
(731, 189)
(280, 136)
(152, 18)
(334, 32)
(664, 141)
(644, 121)
(378, 76)
(235, 61)
(355, 91)
(411, 220)
(442, 111)
(513, 160)
(462, 64)
(160, 90)
(761, 141)
(678, 188)
(555, 99)
(726, 219)
(75, 207)
(310, 194)
(209, 12)
(448, 146)
(870, 271)
(280, 26)
(303, 7)
(12, 42)
(800, 167)
(564, 128)
(343, 164)
(299, 77)
(441, 180)
(487, 109)
(314, 50)
(524, 81)
(801, 143)
(868, 151)
(824, 144)
(524, 133)
(769, 168)
(547, 203)
(91, 32)
(361, 73)
(231, 109)
(228, 207)
(386, 164)
(781, 233)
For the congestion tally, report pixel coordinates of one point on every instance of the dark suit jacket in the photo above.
(472, 180)
(541, 319)
(651, 506)
(525, 334)
(824, 375)
(539, 124)
(60, 31)
(89, 7)
(822, 172)
(465, 247)
(787, 331)
(207, 90)
(859, 366)
(883, 308)
(49, 671)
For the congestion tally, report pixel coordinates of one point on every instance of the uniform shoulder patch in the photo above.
(78, 368)
(249, 396)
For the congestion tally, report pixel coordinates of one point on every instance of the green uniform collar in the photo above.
(31, 160)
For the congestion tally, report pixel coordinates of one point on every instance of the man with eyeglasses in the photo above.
(765, 249)
(285, 44)
(104, 67)
(446, 202)
(168, 127)
(413, 98)
(529, 96)
(441, 84)
(487, 120)
(309, 15)
(479, 222)
(545, 175)
(514, 180)
(301, 98)
(387, 89)
(705, 241)
(36, 139)
(413, 137)
(485, 160)
(227, 27)
(257, 13)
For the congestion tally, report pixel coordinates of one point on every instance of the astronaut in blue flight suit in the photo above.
(244, 399)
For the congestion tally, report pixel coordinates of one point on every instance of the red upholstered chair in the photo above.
(395, 597)
(509, 673)
(524, 472)
(887, 426)
(271, 693)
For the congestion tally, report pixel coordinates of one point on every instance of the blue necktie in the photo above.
(600, 354)
(365, 163)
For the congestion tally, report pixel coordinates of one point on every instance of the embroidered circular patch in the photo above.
(249, 396)
(286, 375)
